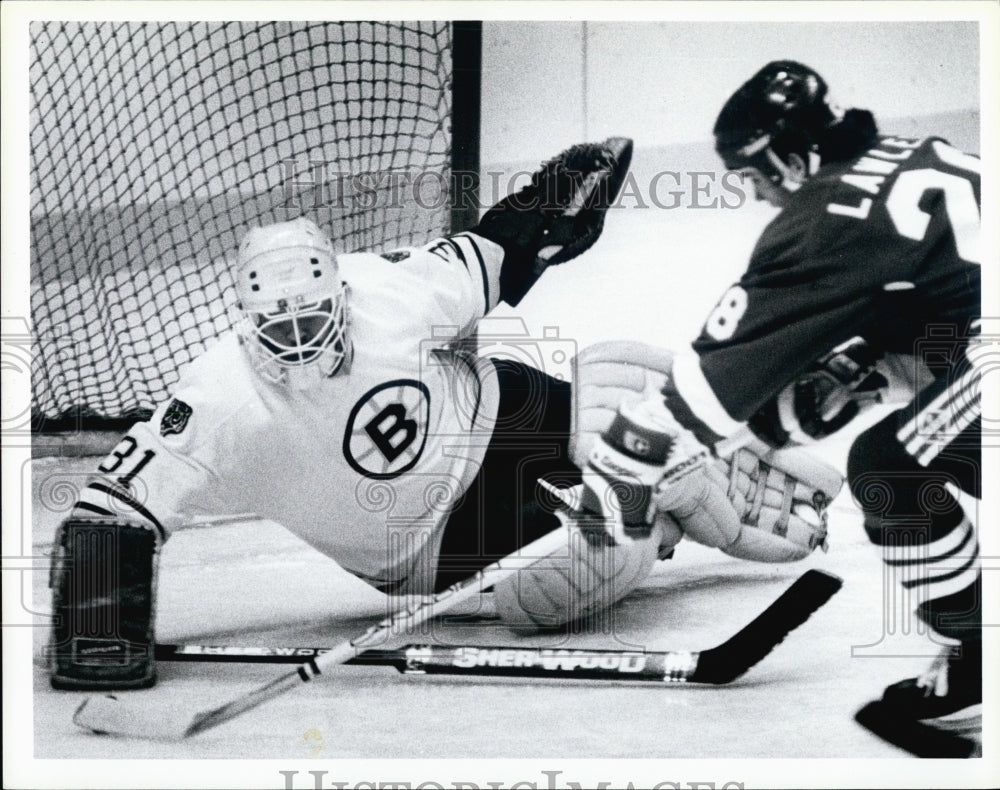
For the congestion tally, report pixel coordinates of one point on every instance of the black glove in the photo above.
(827, 396)
(558, 215)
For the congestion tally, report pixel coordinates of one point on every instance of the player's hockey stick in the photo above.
(137, 718)
(717, 665)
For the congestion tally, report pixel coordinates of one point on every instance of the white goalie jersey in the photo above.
(364, 467)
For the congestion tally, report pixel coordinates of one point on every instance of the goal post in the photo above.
(155, 146)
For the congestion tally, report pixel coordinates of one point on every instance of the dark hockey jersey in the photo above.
(885, 247)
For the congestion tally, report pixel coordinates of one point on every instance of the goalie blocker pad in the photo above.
(103, 582)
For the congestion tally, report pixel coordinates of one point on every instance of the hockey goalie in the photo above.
(347, 407)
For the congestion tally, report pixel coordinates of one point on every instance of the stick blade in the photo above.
(791, 609)
(109, 715)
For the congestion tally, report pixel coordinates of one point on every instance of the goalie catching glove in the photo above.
(758, 504)
(558, 215)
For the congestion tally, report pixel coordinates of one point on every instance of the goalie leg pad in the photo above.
(578, 583)
(103, 584)
(608, 375)
(812, 474)
(781, 496)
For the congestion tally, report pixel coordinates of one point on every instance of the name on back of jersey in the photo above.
(937, 168)
(869, 173)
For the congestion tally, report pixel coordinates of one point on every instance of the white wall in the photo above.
(664, 82)
(655, 273)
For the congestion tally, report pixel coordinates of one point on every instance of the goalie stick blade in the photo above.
(109, 715)
(914, 736)
(793, 607)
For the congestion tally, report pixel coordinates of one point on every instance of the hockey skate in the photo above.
(938, 714)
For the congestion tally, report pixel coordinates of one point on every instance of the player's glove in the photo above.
(835, 389)
(558, 215)
(825, 398)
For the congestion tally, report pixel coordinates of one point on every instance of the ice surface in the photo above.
(252, 583)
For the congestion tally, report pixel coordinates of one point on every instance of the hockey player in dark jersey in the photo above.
(872, 269)
(866, 284)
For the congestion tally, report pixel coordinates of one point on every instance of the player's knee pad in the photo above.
(584, 578)
(874, 457)
(103, 584)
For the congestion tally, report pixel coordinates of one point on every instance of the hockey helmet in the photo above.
(782, 109)
(293, 302)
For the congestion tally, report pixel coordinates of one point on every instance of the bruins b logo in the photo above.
(387, 429)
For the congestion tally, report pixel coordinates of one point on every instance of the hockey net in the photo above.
(154, 146)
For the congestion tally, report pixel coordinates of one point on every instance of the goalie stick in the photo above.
(137, 718)
(718, 665)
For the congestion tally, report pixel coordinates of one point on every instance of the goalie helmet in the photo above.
(781, 110)
(293, 303)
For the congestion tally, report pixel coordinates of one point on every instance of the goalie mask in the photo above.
(294, 303)
(782, 110)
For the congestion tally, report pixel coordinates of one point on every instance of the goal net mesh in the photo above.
(155, 146)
